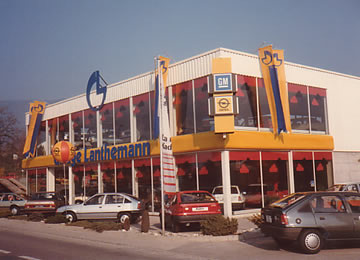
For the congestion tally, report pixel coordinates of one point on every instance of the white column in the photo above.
(226, 182)
(291, 178)
(71, 187)
(50, 179)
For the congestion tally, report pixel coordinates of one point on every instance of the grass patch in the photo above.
(57, 219)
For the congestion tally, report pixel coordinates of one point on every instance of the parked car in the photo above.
(237, 198)
(120, 206)
(187, 207)
(12, 201)
(311, 218)
(351, 186)
(44, 202)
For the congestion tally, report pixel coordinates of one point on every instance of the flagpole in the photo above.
(160, 103)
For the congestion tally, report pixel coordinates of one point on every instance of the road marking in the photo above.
(28, 257)
(4, 251)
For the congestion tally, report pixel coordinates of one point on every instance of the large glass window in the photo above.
(143, 177)
(64, 128)
(156, 184)
(32, 181)
(106, 123)
(90, 129)
(265, 116)
(303, 171)
(184, 108)
(62, 181)
(203, 121)
(142, 116)
(122, 122)
(275, 175)
(41, 141)
(79, 181)
(298, 102)
(91, 179)
(153, 101)
(186, 172)
(77, 125)
(323, 170)
(246, 93)
(317, 109)
(53, 137)
(245, 173)
(41, 179)
(108, 176)
(209, 170)
(124, 177)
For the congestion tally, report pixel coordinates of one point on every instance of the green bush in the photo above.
(57, 219)
(35, 217)
(219, 226)
(101, 226)
(256, 219)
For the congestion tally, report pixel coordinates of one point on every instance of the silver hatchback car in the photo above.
(120, 206)
(311, 218)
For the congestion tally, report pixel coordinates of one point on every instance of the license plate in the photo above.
(200, 209)
(268, 219)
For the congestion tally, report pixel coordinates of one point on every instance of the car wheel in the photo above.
(311, 241)
(14, 210)
(175, 227)
(123, 217)
(70, 216)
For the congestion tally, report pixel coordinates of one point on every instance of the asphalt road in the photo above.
(39, 241)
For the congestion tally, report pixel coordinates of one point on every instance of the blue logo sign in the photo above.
(268, 59)
(223, 83)
(100, 90)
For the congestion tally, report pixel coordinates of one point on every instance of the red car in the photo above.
(189, 207)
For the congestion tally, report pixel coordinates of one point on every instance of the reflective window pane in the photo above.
(265, 116)
(186, 171)
(317, 109)
(184, 108)
(209, 170)
(122, 122)
(298, 102)
(124, 177)
(141, 112)
(246, 93)
(77, 125)
(90, 130)
(323, 170)
(108, 176)
(303, 171)
(203, 121)
(106, 124)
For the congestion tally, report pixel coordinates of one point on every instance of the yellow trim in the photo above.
(224, 124)
(221, 65)
(211, 141)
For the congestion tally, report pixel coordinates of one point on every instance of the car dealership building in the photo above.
(115, 150)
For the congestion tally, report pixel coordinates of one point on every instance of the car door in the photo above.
(114, 203)
(92, 208)
(354, 204)
(331, 215)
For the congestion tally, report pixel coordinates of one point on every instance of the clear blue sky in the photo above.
(48, 48)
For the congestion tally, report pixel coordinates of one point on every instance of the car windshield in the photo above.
(196, 197)
(287, 201)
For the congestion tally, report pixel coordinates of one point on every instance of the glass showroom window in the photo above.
(106, 123)
(64, 128)
(122, 122)
(123, 177)
(275, 175)
(209, 170)
(265, 116)
(303, 171)
(156, 185)
(142, 117)
(91, 179)
(32, 181)
(53, 133)
(41, 141)
(323, 170)
(186, 171)
(246, 93)
(299, 109)
(143, 177)
(318, 109)
(41, 179)
(79, 181)
(245, 173)
(77, 131)
(90, 129)
(108, 176)
(204, 123)
(184, 108)
(62, 181)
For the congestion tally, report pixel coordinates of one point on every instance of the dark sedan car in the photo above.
(311, 218)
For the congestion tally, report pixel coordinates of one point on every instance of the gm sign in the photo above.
(222, 83)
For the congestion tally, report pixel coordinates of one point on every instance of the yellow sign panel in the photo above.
(224, 105)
